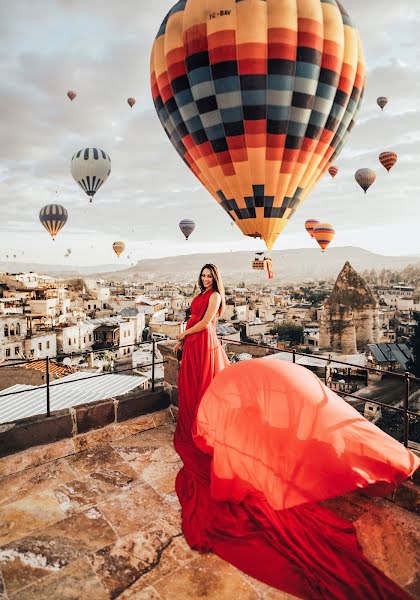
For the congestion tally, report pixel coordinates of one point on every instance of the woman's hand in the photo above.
(182, 336)
(178, 345)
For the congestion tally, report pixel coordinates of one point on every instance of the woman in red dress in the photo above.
(261, 444)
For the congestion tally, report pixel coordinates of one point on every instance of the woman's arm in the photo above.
(211, 312)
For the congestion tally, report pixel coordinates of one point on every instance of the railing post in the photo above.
(406, 397)
(294, 356)
(153, 364)
(47, 380)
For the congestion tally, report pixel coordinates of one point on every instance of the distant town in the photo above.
(93, 325)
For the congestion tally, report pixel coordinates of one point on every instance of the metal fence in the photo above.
(406, 376)
(47, 360)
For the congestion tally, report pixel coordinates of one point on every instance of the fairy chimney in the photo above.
(350, 319)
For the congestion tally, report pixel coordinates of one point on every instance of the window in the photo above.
(18, 329)
(6, 331)
(48, 345)
(7, 352)
(32, 352)
(40, 346)
(69, 342)
(74, 341)
(90, 337)
(12, 330)
(16, 350)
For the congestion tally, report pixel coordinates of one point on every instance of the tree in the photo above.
(414, 365)
(288, 331)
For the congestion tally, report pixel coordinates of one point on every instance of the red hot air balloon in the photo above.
(324, 234)
(365, 178)
(72, 95)
(388, 159)
(333, 170)
(309, 226)
(131, 101)
(258, 98)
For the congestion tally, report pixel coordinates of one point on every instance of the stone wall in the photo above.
(13, 375)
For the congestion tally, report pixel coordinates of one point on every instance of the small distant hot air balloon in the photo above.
(333, 170)
(365, 178)
(131, 101)
(53, 217)
(324, 233)
(388, 159)
(118, 248)
(69, 250)
(309, 226)
(187, 226)
(90, 167)
(382, 101)
(72, 95)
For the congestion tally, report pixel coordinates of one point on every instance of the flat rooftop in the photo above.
(96, 517)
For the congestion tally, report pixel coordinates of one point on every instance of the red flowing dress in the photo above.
(261, 444)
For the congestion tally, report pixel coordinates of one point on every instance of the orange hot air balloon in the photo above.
(365, 178)
(388, 159)
(72, 95)
(118, 248)
(324, 233)
(309, 226)
(131, 102)
(333, 171)
(258, 99)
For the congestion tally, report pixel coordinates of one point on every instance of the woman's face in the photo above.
(207, 279)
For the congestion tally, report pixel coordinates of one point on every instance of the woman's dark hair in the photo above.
(217, 284)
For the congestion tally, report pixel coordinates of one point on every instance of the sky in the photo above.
(101, 49)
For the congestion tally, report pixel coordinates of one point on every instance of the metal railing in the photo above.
(47, 386)
(406, 376)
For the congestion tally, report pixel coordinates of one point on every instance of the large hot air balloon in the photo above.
(53, 217)
(309, 226)
(333, 170)
(382, 101)
(324, 233)
(118, 248)
(365, 178)
(388, 159)
(258, 98)
(72, 95)
(131, 102)
(90, 167)
(187, 226)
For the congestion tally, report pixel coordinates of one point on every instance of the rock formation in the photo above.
(350, 319)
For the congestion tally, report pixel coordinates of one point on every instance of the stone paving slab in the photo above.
(100, 520)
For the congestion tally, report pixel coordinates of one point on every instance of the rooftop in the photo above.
(96, 517)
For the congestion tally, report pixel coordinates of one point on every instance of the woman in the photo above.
(261, 444)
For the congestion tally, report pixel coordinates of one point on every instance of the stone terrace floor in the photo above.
(96, 517)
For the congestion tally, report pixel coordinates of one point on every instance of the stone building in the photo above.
(350, 319)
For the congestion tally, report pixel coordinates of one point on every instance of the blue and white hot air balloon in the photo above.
(90, 167)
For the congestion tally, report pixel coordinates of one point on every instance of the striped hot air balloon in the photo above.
(382, 101)
(309, 226)
(324, 233)
(90, 167)
(53, 217)
(118, 248)
(131, 102)
(388, 159)
(187, 226)
(72, 95)
(333, 170)
(258, 99)
(365, 178)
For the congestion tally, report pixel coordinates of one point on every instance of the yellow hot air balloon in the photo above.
(323, 233)
(258, 98)
(53, 217)
(118, 248)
